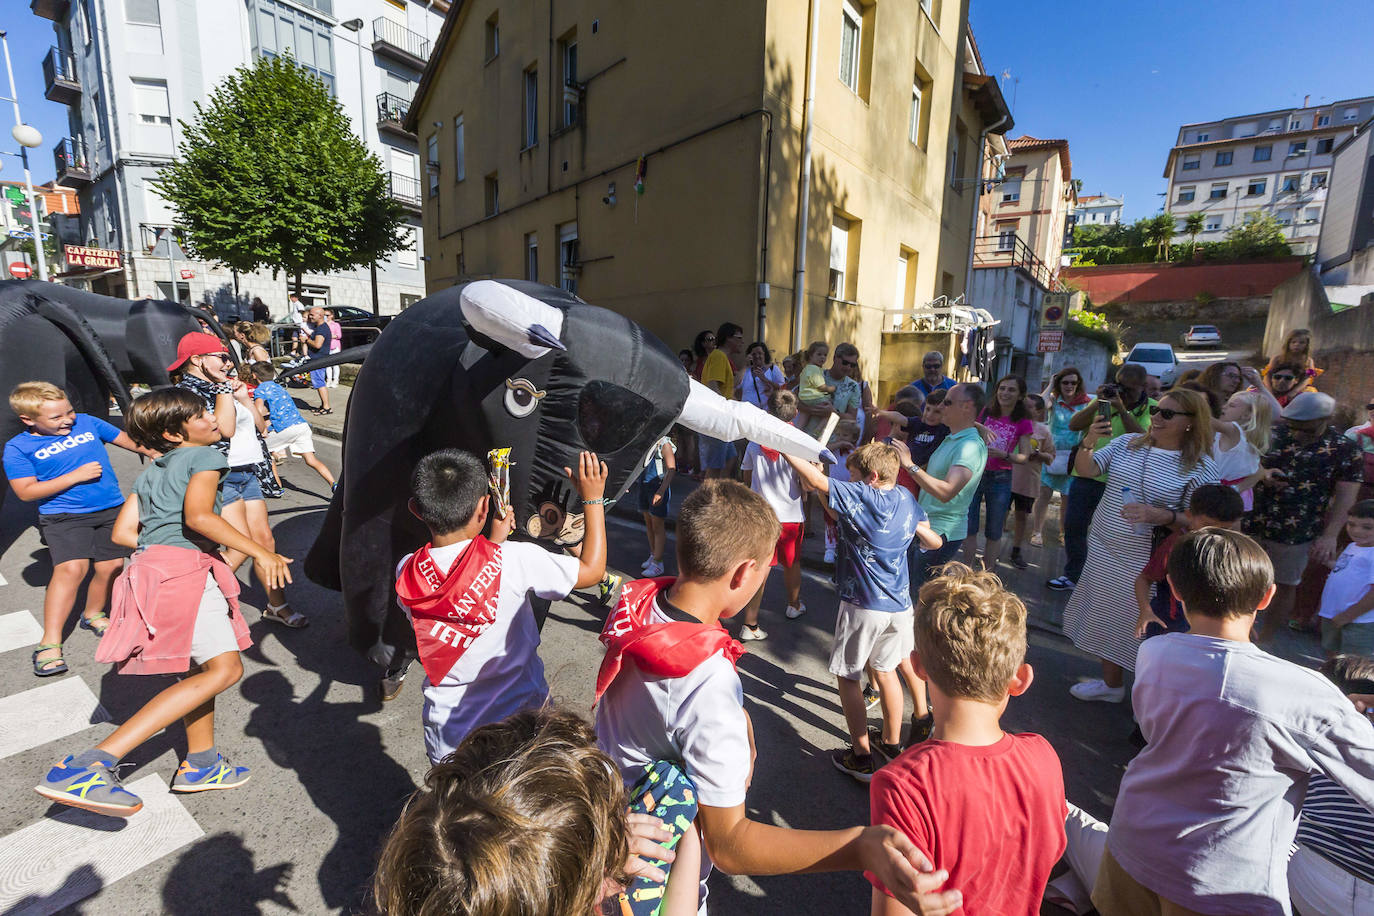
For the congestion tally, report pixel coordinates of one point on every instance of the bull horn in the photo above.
(709, 414)
(512, 318)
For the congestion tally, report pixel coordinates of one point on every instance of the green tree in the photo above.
(271, 175)
(50, 252)
(1159, 231)
(1194, 224)
(1260, 235)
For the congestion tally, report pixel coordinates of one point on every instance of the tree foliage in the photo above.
(1258, 238)
(1260, 235)
(270, 174)
(1193, 224)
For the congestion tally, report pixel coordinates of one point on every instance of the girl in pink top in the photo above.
(1007, 431)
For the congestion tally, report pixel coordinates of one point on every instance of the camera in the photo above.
(1110, 391)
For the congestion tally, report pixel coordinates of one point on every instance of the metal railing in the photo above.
(398, 36)
(59, 65)
(69, 155)
(1012, 251)
(404, 188)
(392, 108)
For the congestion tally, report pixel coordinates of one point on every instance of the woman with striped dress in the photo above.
(1159, 469)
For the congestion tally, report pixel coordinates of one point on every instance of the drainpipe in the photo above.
(977, 194)
(804, 178)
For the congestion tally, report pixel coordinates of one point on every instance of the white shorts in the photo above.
(296, 437)
(877, 638)
(214, 632)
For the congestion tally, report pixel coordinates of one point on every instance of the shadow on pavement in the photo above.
(221, 868)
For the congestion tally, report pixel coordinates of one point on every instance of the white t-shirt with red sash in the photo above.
(773, 479)
(474, 626)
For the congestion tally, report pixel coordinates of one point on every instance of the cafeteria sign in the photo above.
(81, 256)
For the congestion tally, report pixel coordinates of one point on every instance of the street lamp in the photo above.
(28, 138)
(356, 27)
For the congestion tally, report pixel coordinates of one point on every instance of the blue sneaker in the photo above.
(219, 775)
(94, 788)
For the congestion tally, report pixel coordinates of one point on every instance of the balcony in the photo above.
(391, 114)
(399, 43)
(405, 190)
(59, 77)
(73, 169)
(1009, 250)
(56, 10)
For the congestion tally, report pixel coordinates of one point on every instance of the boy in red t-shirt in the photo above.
(1211, 506)
(984, 805)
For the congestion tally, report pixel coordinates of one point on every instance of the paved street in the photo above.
(332, 765)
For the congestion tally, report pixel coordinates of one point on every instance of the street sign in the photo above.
(21, 270)
(1050, 342)
(187, 273)
(1054, 312)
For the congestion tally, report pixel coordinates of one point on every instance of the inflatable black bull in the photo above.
(492, 364)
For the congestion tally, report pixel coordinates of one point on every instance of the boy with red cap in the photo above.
(468, 595)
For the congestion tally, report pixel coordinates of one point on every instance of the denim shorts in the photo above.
(994, 490)
(239, 483)
(716, 454)
(647, 489)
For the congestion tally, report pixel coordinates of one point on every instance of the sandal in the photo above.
(1037, 540)
(324, 411)
(96, 623)
(282, 614)
(44, 668)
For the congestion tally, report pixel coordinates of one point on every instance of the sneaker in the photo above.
(609, 583)
(887, 752)
(749, 634)
(392, 682)
(860, 766)
(793, 612)
(1061, 584)
(1018, 561)
(1097, 690)
(653, 570)
(830, 554)
(219, 775)
(94, 788)
(871, 696)
(647, 563)
(920, 729)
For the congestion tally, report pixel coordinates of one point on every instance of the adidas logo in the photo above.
(62, 445)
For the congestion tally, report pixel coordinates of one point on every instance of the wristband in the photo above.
(912, 469)
(599, 501)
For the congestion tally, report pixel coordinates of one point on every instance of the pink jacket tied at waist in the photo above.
(154, 605)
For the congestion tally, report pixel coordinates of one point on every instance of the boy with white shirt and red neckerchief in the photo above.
(468, 595)
(668, 690)
(767, 474)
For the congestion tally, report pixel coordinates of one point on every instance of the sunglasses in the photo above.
(708, 340)
(1369, 407)
(1167, 413)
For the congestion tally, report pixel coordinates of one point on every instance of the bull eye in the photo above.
(522, 397)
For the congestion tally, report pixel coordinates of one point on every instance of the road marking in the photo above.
(47, 713)
(19, 629)
(3, 581)
(73, 854)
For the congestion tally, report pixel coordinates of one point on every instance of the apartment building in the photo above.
(650, 158)
(129, 71)
(1033, 204)
(1098, 210)
(1277, 162)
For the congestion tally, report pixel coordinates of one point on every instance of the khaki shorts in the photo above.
(214, 632)
(864, 637)
(1118, 894)
(1289, 560)
(296, 437)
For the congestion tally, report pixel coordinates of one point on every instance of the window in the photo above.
(851, 36)
(1202, 137)
(150, 101)
(1318, 180)
(1297, 148)
(1263, 153)
(906, 283)
(83, 8)
(569, 257)
(491, 195)
(1191, 162)
(460, 170)
(1213, 223)
(432, 164)
(1285, 217)
(1290, 184)
(491, 41)
(1218, 192)
(1324, 120)
(531, 257)
(408, 299)
(1350, 114)
(567, 53)
(1295, 124)
(281, 29)
(839, 257)
(1312, 215)
(1324, 144)
(529, 134)
(1006, 235)
(408, 255)
(1257, 186)
(1224, 158)
(914, 129)
(1187, 195)
(1011, 190)
(142, 12)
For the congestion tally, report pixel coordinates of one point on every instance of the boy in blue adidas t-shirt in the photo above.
(877, 521)
(60, 463)
(286, 428)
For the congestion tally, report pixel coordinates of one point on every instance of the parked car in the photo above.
(1158, 360)
(359, 326)
(1202, 335)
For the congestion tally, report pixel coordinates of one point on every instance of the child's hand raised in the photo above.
(590, 476)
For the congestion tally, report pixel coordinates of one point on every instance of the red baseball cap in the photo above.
(196, 343)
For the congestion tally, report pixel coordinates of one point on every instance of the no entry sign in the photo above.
(21, 270)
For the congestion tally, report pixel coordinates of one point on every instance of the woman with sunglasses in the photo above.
(702, 346)
(1066, 396)
(1150, 478)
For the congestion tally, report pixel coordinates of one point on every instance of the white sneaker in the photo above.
(647, 562)
(794, 612)
(830, 554)
(749, 634)
(653, 570)
(1097, 689)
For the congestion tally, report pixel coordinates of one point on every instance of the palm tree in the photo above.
(1160, 230)
(1193, 224)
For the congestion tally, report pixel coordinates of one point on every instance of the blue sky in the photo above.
(1114, 78)
(1117, 78)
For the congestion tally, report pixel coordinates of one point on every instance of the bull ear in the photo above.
(709, 414)
(512, 318)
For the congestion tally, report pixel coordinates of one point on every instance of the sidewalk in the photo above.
(331, 426)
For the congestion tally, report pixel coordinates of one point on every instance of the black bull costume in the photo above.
(488, 364)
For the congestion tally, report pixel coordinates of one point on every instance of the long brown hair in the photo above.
(1197, 441)
(1283, 353)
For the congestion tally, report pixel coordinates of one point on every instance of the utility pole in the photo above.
(27, 137)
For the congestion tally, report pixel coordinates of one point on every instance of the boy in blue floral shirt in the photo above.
(877, 521)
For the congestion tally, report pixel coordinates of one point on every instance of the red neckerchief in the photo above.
(770, 454)
(450, 610)
(670, 649)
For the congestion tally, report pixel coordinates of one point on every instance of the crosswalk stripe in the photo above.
(62, 859)
(47, 713)
(18, 629)
(3, 581)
